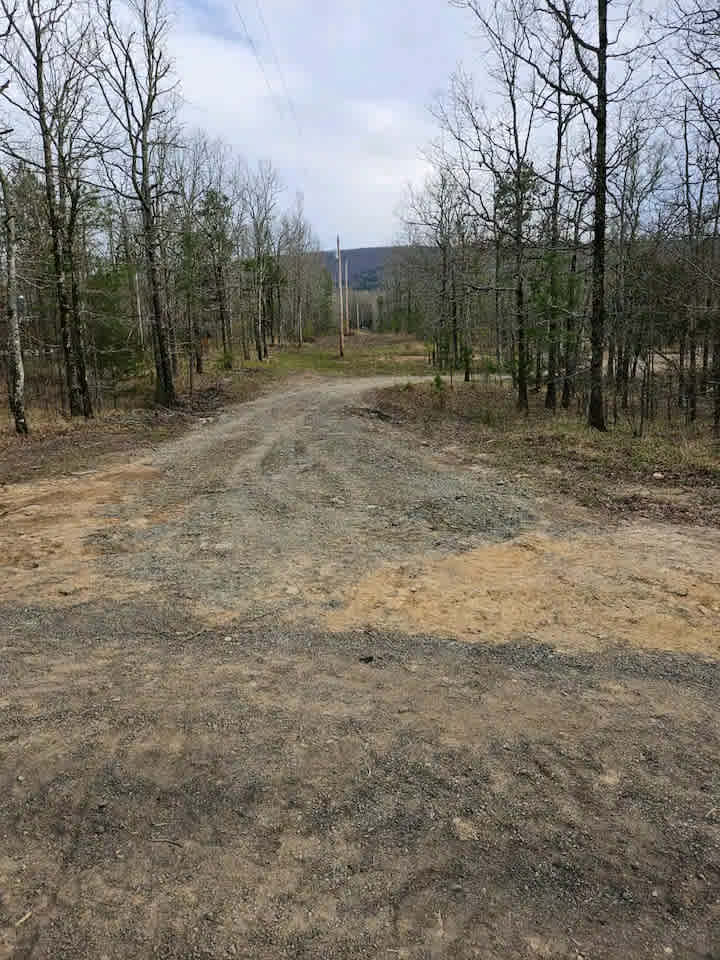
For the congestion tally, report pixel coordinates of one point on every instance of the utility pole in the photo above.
(347, 300)
(357, 316)
(340, 292)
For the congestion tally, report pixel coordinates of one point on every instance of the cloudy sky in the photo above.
(360, 77)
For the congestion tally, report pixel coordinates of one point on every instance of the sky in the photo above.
(340, 103)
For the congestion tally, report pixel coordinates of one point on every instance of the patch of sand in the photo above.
(45, 539)
(650, 587)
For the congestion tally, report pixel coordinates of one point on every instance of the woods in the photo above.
(131, 244)
(568, 235)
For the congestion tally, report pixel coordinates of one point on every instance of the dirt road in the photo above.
(294, 685)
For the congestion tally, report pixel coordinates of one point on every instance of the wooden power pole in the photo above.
(357, 316)
(340, 293)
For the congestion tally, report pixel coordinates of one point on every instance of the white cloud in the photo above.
(359, 77)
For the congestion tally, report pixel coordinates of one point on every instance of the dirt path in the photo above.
(295, 686)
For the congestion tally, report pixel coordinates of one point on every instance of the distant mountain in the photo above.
(365, 266)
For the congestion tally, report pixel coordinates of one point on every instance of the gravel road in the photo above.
(240, 716)
(284, 502)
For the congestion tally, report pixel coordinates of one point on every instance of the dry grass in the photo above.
(366, 355)
(58, 446)
(671, 472)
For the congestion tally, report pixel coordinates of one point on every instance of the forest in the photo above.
(567, 236)
(130, 243)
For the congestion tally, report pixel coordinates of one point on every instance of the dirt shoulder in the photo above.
(301, 682)
(671, 473)
(58, 447)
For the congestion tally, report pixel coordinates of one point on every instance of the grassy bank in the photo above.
(671, 472)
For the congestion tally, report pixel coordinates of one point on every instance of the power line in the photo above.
(279, 69)
(256, 54)
(288, 98)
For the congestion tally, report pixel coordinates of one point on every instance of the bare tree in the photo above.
(134, 75)
(498, 175)
(47, 88)
(261, 193)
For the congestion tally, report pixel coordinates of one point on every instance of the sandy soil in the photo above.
(294, 685)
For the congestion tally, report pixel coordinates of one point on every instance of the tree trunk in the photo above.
(224, 319)
(78, 336)
(454, 317)
(691, 385)
(681, 370)
(259, 321)
(596, 412)
(522, 398)
(16, 369)
(570, 333)
(499, 352)
(164, 386)
(341, 326)
(716, 379)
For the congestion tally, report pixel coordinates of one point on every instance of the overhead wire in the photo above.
(290, 104)
(256, 54)
(278, 67)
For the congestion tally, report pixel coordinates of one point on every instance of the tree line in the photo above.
(567, 236)
(129, 244)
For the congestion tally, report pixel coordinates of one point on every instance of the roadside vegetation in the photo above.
(133, 420)
(671, 471)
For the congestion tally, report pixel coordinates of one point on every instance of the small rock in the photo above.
(668, 951)
(500, 483)
(21, 779)
(464, 829)
(424, 443)
(658, 476)
(227, 640)
(368, 659)
(338, 501)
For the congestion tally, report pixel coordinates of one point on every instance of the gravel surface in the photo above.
(192, 765)
(286, 498)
